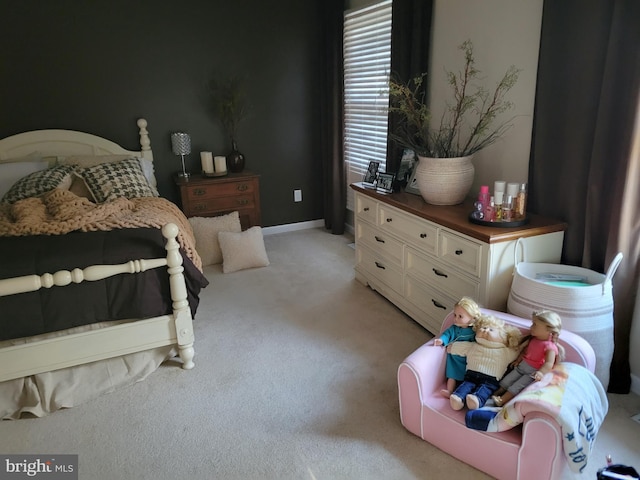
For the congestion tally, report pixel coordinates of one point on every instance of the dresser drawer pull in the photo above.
(378, 239)
(379, 265)
(243, 187)
(199, 208)
(438, 304)
(423, 235)
(199, 191)
(389, 220)
(458, 252)
(439, 273)
(242, 202)
(365, 209)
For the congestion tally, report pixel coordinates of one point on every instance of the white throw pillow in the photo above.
(11, 172)
(242, 250)
(206, 230)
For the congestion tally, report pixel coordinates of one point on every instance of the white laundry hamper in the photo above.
(586, 310)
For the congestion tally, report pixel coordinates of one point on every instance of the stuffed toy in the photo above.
(488, 358)
(465, 313)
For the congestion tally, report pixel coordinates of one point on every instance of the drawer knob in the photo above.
(439, 273)
(242, 202)
(199, 191)
(378, 239)
(389, 220)
(199, 208)
(423, 235)
(379, 265)
(365, 209)
(438, 304)
(243, 187)
(458, 252)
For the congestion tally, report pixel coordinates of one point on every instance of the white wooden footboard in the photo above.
(126, 337)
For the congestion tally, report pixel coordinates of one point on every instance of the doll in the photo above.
(465, 312)
(496, 346)
(540, 351)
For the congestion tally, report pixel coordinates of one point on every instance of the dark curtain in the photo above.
(410, 49)
(332, 117)
(585, 166)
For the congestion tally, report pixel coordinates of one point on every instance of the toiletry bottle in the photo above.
(521, 202)
(498, 206)
(490, 211)
(507, 210)
(481, 203)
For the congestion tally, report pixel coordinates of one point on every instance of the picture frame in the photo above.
(371, 175)
(385, 182)
(406, 172)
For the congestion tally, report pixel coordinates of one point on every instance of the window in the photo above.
(367, 62)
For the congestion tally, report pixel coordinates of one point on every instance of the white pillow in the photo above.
(243, 250)
(10, 173)
(206, 230)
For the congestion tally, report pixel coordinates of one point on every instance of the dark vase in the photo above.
(235, 160)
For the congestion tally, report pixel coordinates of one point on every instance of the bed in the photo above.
(99, 278)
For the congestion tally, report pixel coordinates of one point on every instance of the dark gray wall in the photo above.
(98, 65)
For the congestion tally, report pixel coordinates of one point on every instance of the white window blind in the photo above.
(367, 61)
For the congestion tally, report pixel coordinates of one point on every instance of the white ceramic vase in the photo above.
(444, 181)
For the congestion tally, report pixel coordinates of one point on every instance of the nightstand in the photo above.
(211, 196)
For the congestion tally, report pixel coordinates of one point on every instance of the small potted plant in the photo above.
(468, 124)
(229, 104)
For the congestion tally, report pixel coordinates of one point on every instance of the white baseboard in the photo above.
(292, 227)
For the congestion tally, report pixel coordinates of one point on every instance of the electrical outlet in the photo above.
(297, 195)
(636, 418)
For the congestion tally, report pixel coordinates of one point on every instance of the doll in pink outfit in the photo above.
(538, 356)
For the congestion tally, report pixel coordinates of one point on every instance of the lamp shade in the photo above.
(181, 143)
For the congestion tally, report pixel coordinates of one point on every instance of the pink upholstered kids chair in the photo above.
(530, 452)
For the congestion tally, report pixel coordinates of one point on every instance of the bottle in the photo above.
(521, 202)
(483, 196)
(490, 211)
(507, 209)
(498, 206)
(481, 203)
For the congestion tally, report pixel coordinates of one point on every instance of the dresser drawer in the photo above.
(460, 252)
(366, 208)
(442, 278)
(380, 267)
(202, 192)
(379, 241)
(434, 305)
(420, 233)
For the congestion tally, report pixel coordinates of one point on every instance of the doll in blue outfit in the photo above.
(465, 312)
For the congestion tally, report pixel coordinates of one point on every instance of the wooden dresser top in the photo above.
(456, 217)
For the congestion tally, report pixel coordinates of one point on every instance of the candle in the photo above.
(206, 158)
(221, 164)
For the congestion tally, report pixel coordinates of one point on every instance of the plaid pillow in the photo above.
(125, 178)
(40, 182)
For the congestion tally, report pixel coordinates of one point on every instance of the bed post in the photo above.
(145, 141)
(181, 310)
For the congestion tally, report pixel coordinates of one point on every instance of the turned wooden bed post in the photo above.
(181, 310)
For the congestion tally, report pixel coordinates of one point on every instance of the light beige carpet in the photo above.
(295, 378)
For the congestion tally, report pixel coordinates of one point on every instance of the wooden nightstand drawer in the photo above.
(200, 192)
(212, 196)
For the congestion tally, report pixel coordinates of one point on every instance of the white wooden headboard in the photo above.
(68, 143)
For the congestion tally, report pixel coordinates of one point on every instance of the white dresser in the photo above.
(424, 258)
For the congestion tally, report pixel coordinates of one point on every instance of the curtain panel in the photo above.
(584, 165)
